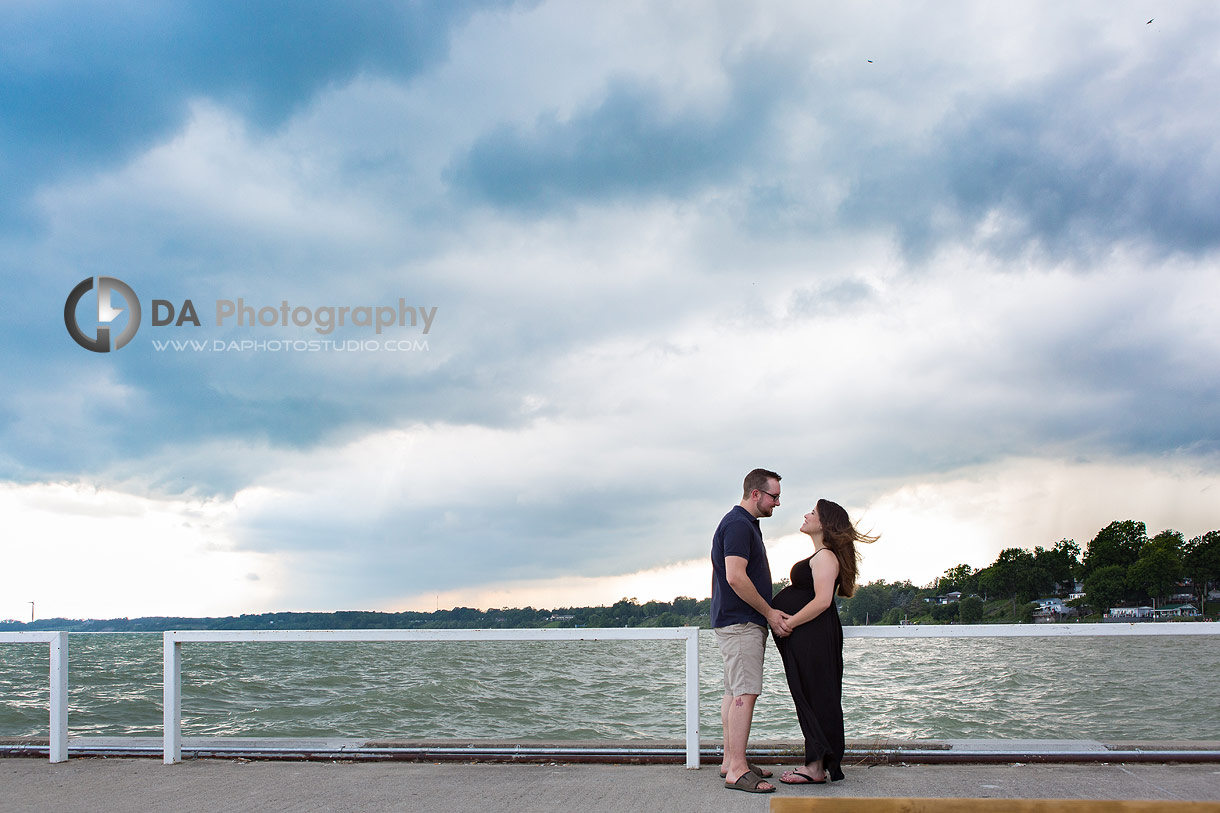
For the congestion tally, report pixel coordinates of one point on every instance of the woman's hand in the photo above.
(780, 622)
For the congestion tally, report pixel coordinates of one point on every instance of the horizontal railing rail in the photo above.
(1032, 630)
(174, 639)
(58, 641)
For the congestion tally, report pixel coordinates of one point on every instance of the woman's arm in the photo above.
(825, 571)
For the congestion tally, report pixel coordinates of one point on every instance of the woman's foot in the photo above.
(798, 777)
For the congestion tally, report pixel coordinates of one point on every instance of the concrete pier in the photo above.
(220, 785)
(230, 774)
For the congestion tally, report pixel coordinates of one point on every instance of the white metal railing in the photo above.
(1029, 630)
(59, 684)
(174, 639)
(58, 642)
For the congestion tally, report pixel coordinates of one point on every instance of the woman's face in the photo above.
(812, 523)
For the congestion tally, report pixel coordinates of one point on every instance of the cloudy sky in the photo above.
(953, 265)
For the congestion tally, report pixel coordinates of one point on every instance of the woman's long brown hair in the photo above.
(841, 536)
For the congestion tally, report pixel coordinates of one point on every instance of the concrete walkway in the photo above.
(129, 784)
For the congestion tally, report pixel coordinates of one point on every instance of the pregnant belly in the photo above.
(792, 599)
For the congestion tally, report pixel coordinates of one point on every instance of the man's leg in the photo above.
(738, 715)
(742, 647)
(725, 726)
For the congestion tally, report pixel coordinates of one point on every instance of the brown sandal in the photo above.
(750, 766)
(749, 782)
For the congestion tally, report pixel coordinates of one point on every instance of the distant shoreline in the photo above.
(372, 620)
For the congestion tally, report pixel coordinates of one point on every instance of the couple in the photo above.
(802, 617)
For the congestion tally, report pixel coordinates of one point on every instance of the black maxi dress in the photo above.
(813, 662)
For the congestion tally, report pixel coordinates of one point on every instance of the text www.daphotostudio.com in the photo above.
(291, 346)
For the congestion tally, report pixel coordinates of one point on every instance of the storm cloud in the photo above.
(882, 253)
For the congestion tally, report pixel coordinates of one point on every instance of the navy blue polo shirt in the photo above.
(738, 535)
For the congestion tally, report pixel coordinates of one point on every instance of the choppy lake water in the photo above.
(1125, 688)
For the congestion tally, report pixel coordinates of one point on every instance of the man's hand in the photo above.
(739, 582)
(779, 623)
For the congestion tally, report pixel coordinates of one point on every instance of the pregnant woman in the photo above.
(813, 653)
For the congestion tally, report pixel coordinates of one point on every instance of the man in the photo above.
(741, 612)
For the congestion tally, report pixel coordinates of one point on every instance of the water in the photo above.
(1128, 688)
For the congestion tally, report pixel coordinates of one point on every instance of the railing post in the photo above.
(59, 698)
(172, 700)
(692, 697)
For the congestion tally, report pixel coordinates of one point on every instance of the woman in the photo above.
(813, 653)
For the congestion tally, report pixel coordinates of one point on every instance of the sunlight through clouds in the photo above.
(80, 552)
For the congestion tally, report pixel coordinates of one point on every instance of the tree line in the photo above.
(1120, 564)
(627, 612)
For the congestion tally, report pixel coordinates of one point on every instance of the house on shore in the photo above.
(1052, 610)
(1145, 613)
(1175, 611)
(1128, 614)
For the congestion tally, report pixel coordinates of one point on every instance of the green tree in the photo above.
(1201, 564)
(685, 605)
(1159, 566)
(868, 604)
(1060, 564)
(1168, 539)
(944, 612)
(627, 612)
(970, 610)
(1105, 586)
(1040, 578)
(961, 578)
(669, 619)
(892, 616)
(1013, 574)
(1119, 543)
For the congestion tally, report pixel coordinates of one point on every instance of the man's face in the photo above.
(768, 499)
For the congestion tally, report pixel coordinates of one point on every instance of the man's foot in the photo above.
(750, 766)
(798, 777)
(750, 782)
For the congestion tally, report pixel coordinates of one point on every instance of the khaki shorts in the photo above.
(742, 647)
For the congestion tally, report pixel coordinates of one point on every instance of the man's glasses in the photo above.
(769, 494)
